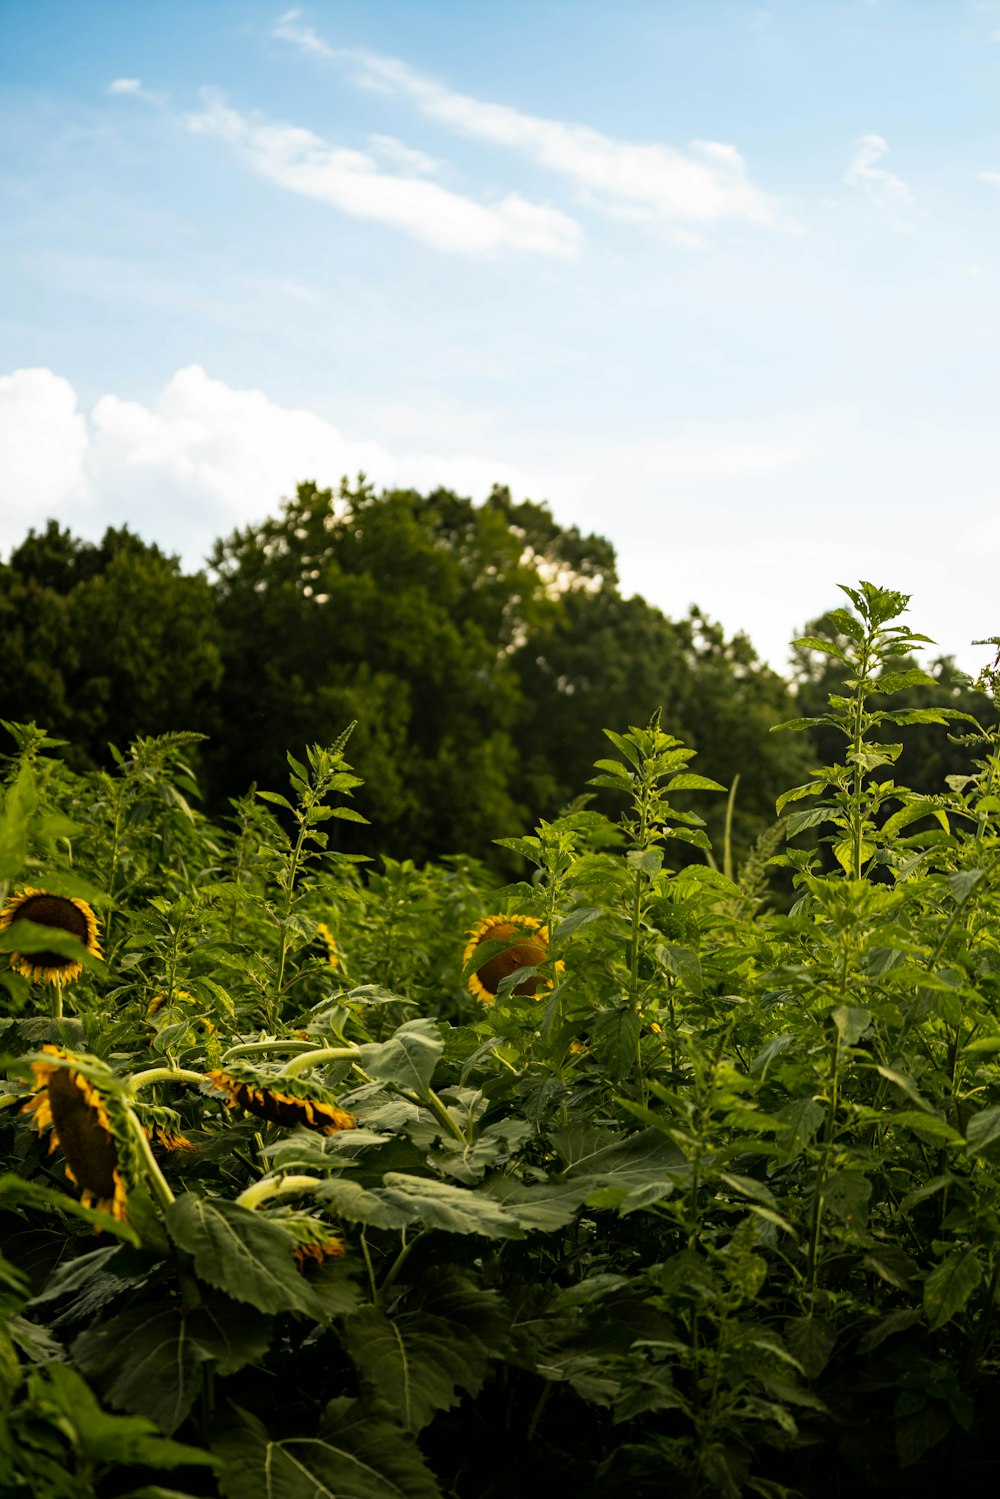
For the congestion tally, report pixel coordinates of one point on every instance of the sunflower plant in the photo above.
(391, 1181)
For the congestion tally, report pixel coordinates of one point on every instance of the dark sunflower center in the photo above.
(55, 911)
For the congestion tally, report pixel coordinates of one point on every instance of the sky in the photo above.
(717, 280)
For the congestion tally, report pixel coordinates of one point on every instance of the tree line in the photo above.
(482, 649)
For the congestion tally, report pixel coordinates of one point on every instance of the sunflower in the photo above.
(528, 952)
(63, 913)
(257, 1097)
(329, 941)
(76, 1111)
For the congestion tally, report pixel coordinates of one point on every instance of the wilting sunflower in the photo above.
(64, 914)
(530, 947)
(75, 1109)
(258, 1097)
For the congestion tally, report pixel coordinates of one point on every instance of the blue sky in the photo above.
(720, 281)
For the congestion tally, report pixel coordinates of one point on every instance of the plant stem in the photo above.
(162, 1075)
(158, 1183)
(276, 1186)
(314, 1058)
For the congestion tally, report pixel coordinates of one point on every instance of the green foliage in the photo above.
(715, 1210)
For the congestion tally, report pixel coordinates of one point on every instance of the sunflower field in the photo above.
(641, 1175)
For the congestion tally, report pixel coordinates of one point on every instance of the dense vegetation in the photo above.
(481, 650)
(704, 1200)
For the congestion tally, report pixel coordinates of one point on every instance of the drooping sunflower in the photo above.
(76, 1111)
(61, 912)
(529, 941)
(259, 1096)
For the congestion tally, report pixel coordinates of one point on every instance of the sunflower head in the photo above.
(269, 1098)
(77, 1113)
(61, 912)
(529, 946)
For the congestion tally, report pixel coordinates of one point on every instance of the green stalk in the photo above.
(314, 1058)
(859, 706)
(159, 1186)
(250, 1048)
(276, 1186)
(162, 1075)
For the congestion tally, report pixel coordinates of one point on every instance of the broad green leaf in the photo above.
(898, 681)
(408, 1058)
(797, 793)
(103, 1438)
(417, 1363)
(240, 1252)
(983, 1131)
(930, 1127)
(813, 817)
(687, 780)
(949, 1286)
(894, 1265)
(361, 1453)
(149, 1359)
(543, 1208)
(983, 1045)
(810, 1339)
(963, 883)
(683, 963)
(851, 1023)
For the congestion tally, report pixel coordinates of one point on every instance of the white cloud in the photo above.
(201, 459)
(402, 155)
(705, 184)
(351, 180)
(290, 30)
(880, 184)
(133, 88)
(993, 178)
(43, 442)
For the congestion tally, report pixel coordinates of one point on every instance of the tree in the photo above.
(105, 641)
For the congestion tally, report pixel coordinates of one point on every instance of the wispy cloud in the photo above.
(993, 178)
(882, 185)
(134, 88)
(352, 181)
(704, 184)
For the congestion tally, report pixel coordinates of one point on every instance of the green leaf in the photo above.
(898, 681)
(408, 1058)
(949, 1286)
(240, 1252)
(15, 1191)
(810, 1339)
(796, 822)
(417, 1363)
(983, 1131)
(403, 1199)
(851, 1023)
(361, 1453)
(797, 793)
(683, 963)
(814, 643)
(930, 1127)
(149, 1359)
(687, 780)
(103, 1438)
(19, 806)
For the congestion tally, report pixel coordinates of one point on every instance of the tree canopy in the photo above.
(482, 649)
